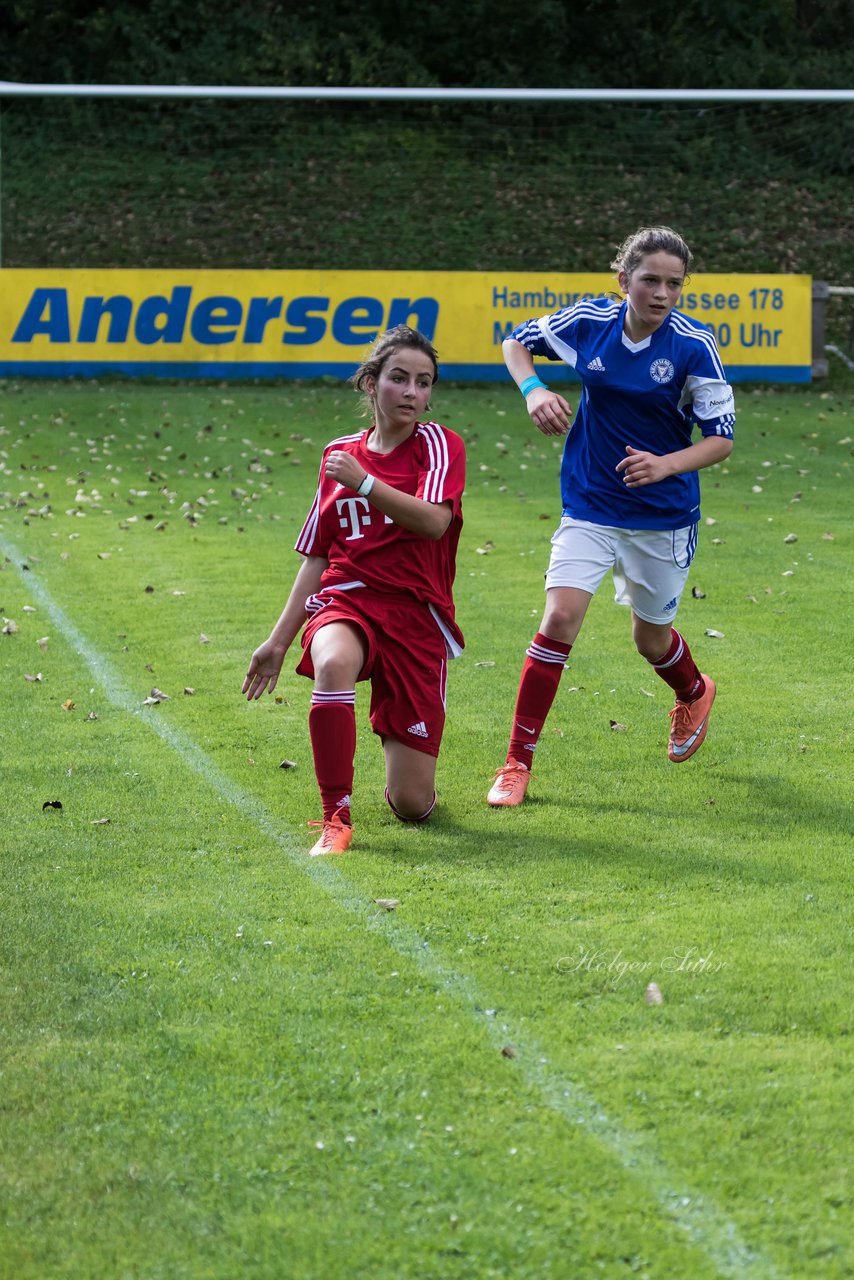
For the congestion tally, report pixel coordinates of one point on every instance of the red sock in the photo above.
(541, 673)
(678, 669)
(332, 728)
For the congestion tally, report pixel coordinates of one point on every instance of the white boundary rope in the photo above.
(15, 89)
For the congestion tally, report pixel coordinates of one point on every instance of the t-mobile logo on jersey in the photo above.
(355, 514)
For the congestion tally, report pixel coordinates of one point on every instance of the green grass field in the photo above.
(223, 1059)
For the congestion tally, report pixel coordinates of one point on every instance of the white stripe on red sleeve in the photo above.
(437, 448)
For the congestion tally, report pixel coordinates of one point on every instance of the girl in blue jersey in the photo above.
(629, 486)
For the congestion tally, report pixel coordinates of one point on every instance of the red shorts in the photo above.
(406, 663)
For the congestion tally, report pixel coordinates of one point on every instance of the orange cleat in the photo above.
(511, 783)
(336, 836)
(689, 722)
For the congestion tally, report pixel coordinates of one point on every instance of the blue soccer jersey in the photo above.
(649, 394)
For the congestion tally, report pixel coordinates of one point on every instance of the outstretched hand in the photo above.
(264, 668)
(549, 412)
(640, 468)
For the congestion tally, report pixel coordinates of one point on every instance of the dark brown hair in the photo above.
(401, 337)
(651, 240)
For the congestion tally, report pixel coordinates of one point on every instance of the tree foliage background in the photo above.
(108, 182)
(501, 43)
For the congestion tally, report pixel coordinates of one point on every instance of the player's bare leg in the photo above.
(410, 781)
(564, 613)
(338, 652)
(652, 639)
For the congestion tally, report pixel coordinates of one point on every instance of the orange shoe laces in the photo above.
(680, 719)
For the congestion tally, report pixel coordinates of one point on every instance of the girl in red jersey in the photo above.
(380, 544)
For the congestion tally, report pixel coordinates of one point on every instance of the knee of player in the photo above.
(564, 613)
(333, 671)
(410, 803)
(652, 652)
(652, 642)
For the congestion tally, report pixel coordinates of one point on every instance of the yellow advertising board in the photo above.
(307, 324)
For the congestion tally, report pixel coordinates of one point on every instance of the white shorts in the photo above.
(650, 566)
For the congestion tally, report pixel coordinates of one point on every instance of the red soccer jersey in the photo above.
(365, 547)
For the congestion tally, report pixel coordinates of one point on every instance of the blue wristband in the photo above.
(530, 384)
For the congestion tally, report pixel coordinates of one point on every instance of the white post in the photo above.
(820, 294)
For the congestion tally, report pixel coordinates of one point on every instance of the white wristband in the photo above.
(367, 484)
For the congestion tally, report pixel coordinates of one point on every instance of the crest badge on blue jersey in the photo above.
(662, 370)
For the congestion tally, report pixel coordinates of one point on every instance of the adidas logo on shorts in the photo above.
(596, 365)
(670, 606)
(420, 730)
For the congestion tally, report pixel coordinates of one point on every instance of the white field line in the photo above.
(709, 1230)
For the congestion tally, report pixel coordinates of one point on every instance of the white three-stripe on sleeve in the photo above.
(437, 450)
(308, 535)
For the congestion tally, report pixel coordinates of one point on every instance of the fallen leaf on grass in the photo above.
(91, 716)
(69, 704)
(203, 639)
(646, 693)
(27, 608)
(484, 664)
(697, 593)
(791, 537)
(653, 995)
(288, 764)
(827, 537)
(156, 695)
(9, 627)
(100, 822)
(188, 691)
(716, 635)
(508, 1051)
(616, 726)
(43, 643)
(387, 904)
(51, 804)
(31, 679)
